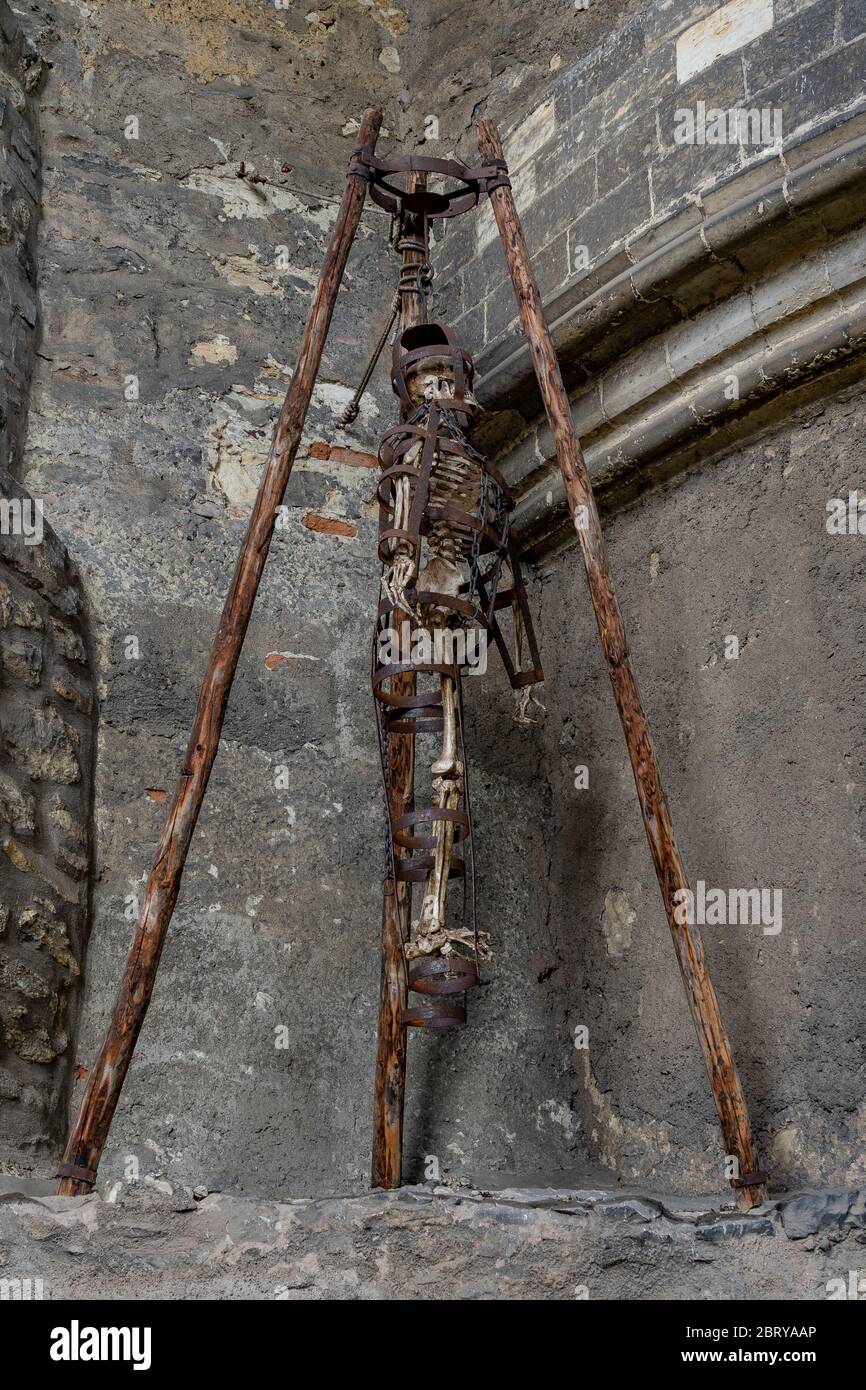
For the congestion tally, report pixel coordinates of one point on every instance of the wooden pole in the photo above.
(102, 1093)
(724, 1079)
(387, 1165)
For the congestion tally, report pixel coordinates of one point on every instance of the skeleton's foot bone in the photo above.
(443, 941)
(523, 699)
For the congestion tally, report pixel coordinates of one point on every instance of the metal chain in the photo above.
(477, 534)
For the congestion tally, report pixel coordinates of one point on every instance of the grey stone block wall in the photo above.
(597, 162)
(47, 718)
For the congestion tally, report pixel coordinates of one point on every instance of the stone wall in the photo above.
(603, 166)
(46, 742)
(746, 626)
(191, 166)
(192, 169)
(713, 337)
(176, 271)
(20, 75)
(46, 696)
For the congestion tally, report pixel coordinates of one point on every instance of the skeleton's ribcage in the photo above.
(443, 529)
(454, 483)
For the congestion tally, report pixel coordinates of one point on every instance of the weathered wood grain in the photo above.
(387, 1165)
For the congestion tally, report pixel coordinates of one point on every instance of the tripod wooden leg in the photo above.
(724, 1078)
(393, 994)
(387, 1160)
(86, 1142)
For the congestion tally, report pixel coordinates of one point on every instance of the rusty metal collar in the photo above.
(471, 182)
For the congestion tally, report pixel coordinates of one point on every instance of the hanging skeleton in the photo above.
(445, 546)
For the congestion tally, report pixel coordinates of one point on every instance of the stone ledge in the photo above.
(425, 1243)
(666, 404)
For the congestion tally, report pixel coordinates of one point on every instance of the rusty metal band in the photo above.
(400, 668)
(389, 534)
(397, 442)
(452, 405)
(471, 183)
(753, 1179)
(360, 163)
(461, 365)
(422, 488)
(413, 723)
(416, 867)
(439, 975)
(437, 1017)
(77, 1173)
(514, 597)
(468, 522)
(402, 826)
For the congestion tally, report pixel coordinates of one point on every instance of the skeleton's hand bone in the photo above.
(399, 578)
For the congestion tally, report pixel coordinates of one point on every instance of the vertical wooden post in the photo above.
(387, 1162)
(724, 1079)
(86, 1142)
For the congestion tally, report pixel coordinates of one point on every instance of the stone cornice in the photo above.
(691, 328)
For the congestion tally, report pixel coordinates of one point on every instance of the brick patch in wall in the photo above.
(328, 525)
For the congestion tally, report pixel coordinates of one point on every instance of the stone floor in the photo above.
(428, 1242)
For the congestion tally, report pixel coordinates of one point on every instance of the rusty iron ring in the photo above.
(438, 975)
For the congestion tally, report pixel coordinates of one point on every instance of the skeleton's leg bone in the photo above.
(452, 789)
(432, 933)
(446, 764)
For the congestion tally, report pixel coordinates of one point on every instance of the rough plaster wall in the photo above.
(763, 764)
(157, 261)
